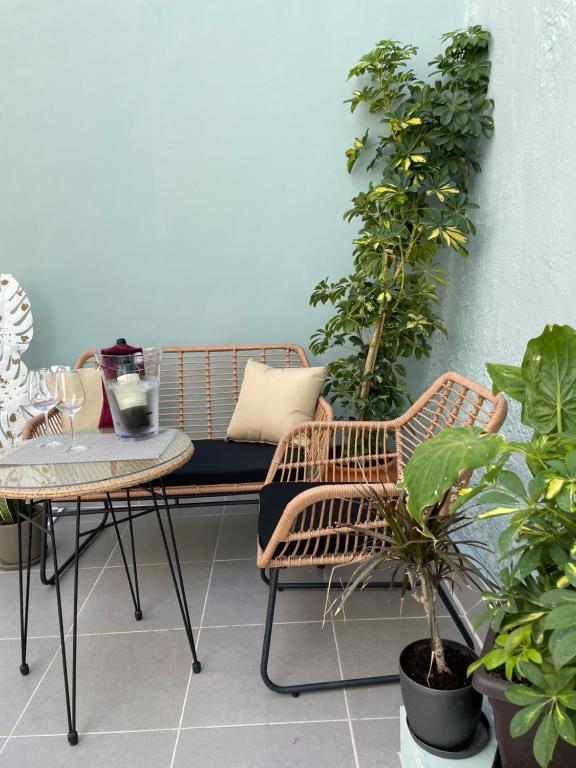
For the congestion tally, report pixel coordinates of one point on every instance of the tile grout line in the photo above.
(185, 701)
(350, 728)
(221, 626)
(151, 565)
(214, 726)
(258, 724)
(51, 662)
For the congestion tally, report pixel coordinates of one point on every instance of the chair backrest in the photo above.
(199, 386)
(452, 401)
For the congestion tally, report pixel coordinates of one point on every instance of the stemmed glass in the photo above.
(41, 395)
(69, 398)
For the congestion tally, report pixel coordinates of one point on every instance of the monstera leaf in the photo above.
(16, 324)
(507, 379)
(549, 372)
(436, 464)
(15, 335)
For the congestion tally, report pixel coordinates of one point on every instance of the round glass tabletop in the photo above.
(58, 481)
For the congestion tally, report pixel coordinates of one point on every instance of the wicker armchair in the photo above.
(319, 489)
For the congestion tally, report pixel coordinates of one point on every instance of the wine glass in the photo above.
(69, 398)
(41, 396)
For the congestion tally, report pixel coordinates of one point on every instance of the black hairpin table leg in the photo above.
(24, 594)
(132, 580)
(89, 538)
(175, 569)
(69, 684)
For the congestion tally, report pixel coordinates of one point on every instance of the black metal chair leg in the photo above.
(88, 540)
(134, 589)
(24, 596)
(70, 701)
(178, 581)
(296, 690)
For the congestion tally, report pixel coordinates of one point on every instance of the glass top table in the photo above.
(82, 481)
(63, 481)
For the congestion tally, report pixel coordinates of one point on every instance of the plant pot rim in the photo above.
(492, 687)
(437, 691)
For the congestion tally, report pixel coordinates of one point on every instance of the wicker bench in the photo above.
(199, 388)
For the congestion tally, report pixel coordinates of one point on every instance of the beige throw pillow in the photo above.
(89, 415)
(272, 400)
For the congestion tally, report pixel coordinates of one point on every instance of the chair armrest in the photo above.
(335, 451)
(324, 410)
(319, 525)
(37, 426)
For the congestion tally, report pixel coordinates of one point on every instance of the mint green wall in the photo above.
(173, 170)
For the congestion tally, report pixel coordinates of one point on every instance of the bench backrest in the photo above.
(199, 386)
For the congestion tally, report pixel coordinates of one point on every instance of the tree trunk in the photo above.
(372, 356)
(424, 592)
(436, 646)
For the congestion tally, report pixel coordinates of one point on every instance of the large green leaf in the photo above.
(549, 370)
(525, 718)
(507, 379)
(563, 646)
(545, 740)
(562, 617)
(436, 464)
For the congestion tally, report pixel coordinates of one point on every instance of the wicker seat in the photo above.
(315, 498)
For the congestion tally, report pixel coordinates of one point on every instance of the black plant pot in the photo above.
(442, 719)
(514, 752)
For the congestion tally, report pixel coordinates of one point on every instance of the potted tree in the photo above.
(443, 709)
(417, 200)
(9, 535)
(528, 664)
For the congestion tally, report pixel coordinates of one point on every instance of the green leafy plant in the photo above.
(533, 611)
(423, 161)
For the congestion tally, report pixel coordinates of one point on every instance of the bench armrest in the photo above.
(36, 426)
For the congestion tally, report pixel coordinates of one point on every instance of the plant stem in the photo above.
(374, 345)
(424, 592)
(372, 356)
(436, 645)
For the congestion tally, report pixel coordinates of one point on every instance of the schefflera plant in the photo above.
(533, 612)
(420, 167)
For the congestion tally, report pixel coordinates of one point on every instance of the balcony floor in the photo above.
(138, 704)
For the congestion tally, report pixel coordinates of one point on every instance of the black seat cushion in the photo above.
(224, 461)
(273, 499)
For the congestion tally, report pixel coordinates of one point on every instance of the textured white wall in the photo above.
(521, 273)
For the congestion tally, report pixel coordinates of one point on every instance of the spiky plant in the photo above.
(427, 554)
(9, 510)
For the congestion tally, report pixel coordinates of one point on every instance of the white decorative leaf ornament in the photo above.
(15, 316)
(16, 330)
